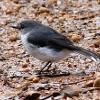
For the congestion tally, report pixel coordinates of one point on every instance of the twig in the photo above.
(78, 81)
(90, 89)
(54, 94)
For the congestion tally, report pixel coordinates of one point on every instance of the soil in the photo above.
(79, 20)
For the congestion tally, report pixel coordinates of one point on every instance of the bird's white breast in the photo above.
(43, 53)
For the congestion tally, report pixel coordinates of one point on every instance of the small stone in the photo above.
(12, 53)
(17, 8)
(2, 58)
(16, 1)
(24, 65)
(97, 82)
(74, 37)
(63, 16)
(24, 1)
(13, 37)
(27, 60)
(3, 22)
(97, 43)
(2, 31)
(51, 2)
(25, 69)
(98, 1)
(61, 19)
(43, 10)
(34, 79)
(23, 85)
(18, 86)
(12, 9)
(50, 19)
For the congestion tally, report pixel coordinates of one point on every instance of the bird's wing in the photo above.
(56, 41)
(52, 39)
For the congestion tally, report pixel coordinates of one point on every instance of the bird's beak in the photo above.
(16, 26)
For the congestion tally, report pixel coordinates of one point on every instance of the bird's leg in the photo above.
(48, 67)
(48, 64)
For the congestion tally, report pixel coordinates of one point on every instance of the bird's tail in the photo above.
(88, 53)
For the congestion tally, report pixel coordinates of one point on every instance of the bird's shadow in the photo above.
(57, 73)
(52, 73)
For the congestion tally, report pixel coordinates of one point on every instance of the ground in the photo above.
(78, 20)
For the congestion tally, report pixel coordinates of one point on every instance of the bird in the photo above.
(47, 44)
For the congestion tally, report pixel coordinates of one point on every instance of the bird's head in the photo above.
(25, 24)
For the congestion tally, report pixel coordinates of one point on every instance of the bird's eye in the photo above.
(22, 26)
